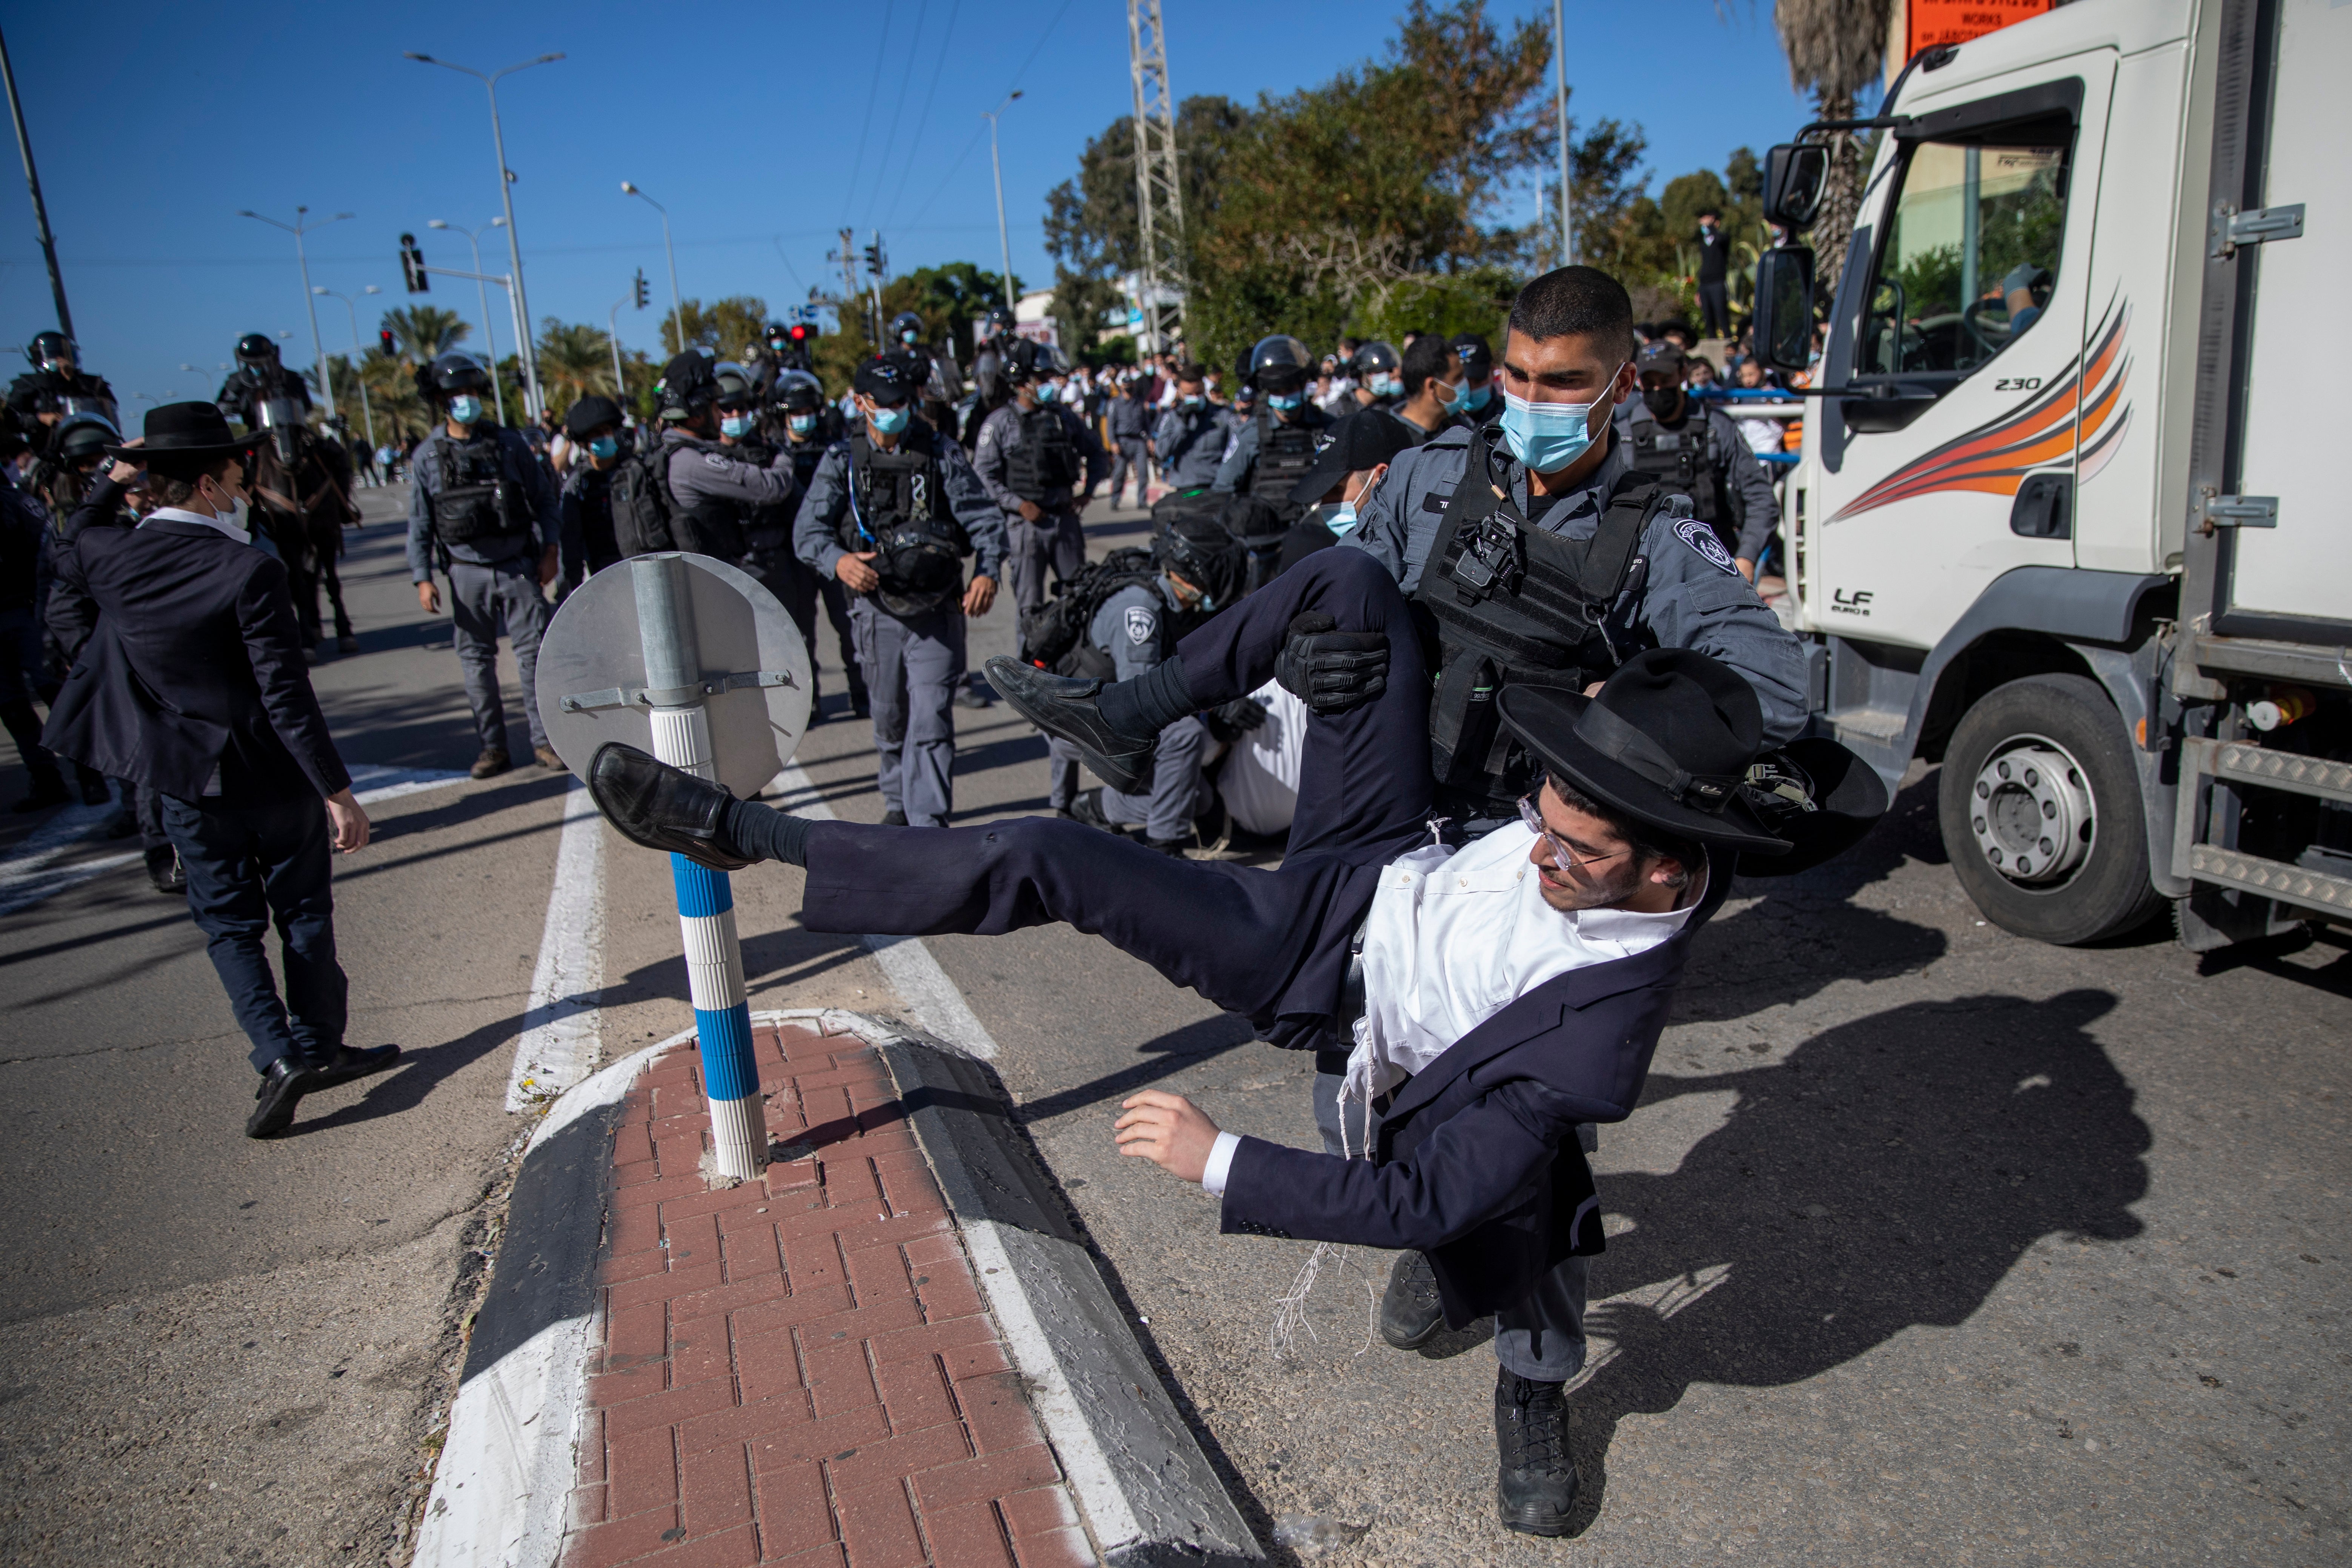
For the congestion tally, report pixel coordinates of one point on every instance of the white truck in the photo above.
(2062, 521)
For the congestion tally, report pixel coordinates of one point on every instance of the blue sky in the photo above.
(154, 125)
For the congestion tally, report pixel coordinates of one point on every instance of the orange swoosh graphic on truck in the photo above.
(1995, 456)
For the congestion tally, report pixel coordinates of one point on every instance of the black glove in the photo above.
(1331, 671)
(1229, 721)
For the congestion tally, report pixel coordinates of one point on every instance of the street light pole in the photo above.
(1567, 193)
(676, 314)
(612, 336)
(532, 402)
(1003, 245)
(40, 207)
(367, 415)
(482, 292)
(297, 229)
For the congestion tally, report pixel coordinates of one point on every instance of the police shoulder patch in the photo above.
(1141, 624)
(715, 460)
(1701, 538)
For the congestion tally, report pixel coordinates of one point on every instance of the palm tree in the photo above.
(574, 359)
(1836, 47)
(424, 330)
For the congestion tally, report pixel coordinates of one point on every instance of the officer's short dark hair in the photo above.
(1191, 369)
(1423, 357)
(1577, 302)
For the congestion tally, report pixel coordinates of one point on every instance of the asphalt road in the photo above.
(1928, 1245)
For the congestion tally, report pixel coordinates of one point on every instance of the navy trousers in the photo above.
(248, 868)
(1271, 944)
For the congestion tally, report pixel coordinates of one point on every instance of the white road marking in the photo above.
(930, 998)
(562, 1024)
(371, 783)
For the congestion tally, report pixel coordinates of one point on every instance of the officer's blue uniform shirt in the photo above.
(1755, 509)
(816, 529)
(1190, 445)
(1691, 593)
(519, 465)
(1241, 452)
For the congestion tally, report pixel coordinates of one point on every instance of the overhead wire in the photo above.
(898, 115)
(1042, 34)
(923, 121)
(881, 49)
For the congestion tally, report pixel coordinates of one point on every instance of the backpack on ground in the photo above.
(1053, 635)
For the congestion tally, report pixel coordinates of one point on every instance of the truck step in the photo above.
(2281, 770)
(2271, 878)
(1871, 724)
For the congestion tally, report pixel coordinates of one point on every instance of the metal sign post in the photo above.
(631, 656)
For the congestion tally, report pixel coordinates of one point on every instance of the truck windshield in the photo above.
(1970, 257)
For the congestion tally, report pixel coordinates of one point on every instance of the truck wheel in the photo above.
(2040, 806)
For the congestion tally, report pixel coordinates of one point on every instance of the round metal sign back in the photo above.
(754, 671)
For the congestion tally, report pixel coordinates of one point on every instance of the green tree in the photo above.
(949, 298)
(574, 359)
(726, 328)
(1835, 48)
(424, 330)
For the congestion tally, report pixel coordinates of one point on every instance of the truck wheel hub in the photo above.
(2031, 812)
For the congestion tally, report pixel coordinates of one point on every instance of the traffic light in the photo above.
(412, 265)
(384, 339)
(873, 257)
(641, 288)
(800, 334)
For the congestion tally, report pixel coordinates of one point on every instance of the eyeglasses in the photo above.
(1562, 858)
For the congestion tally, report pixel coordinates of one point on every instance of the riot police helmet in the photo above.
(799, 391)
(1199, 550)
(1277, 364)
(255, 349)
(777, 336)
(905, 329)
(84, 437)
(52, 350)
(996, 320)
(1023, 361)
(449, 373)
(689, 384)
(1376, 358)
(737, 390)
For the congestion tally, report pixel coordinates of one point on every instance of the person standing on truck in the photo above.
(1691, 448)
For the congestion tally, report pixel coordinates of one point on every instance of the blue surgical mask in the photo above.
(1387, 386)
(802, 424)
(890, 421)
(1473, 398)
(1194, 402)
(1048, 393)
(465, 408)
(1453, 396)
(1339, 517)
(736, 425)
(1285, 402)
(1548, 436)
(908, 336)
(605, 446)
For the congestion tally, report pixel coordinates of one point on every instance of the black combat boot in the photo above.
(1411, 1312)
(1536, 1484)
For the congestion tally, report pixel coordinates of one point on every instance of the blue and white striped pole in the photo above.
(706, 903)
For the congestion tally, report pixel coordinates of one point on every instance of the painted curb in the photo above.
(1149, 1495)
(509, 1461)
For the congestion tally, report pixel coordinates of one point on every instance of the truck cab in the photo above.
(2059, 524)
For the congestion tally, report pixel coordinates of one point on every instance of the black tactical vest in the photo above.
(1285, 453)
(1047, 459)
(1512, 604)
(898, 509)
(1683, 461)
(768, 527)
(475, 500)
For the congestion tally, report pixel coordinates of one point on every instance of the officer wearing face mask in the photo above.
(1540, 554)
(990, 339)
(716, 492)
(1190, 437)
(1431, 378)
(1033, 457)
(1274, 448)
(1349, 467)
(1380, 375)
(1480, 399)
(893, 510)
(1696, 448)
(56, 387)
(479, 506)
(802, 426)
(593, 426)
(934, 370)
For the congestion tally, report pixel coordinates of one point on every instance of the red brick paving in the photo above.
(799, 1371)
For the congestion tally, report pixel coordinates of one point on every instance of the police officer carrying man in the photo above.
(768, 552)
(892, 511)
(712, 490)
(1694, 448)
(56, 386)
(1197, 570)
(802, 424)
(1479, 401)
(478, 501)
(1189, 442)
(1032, 456)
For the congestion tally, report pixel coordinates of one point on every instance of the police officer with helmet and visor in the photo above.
(1694, 448)
(1275, 446)
(802, 424)
(479, 506)
(1033, 456)
(711, 491)
(893, 510)
(57, 388)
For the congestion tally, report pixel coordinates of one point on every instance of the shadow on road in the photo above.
(1891, 1172)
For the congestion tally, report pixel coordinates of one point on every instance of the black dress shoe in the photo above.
(1172, 847)
(48, 790)
(1067, 708)
(894, 817)
(346, 1064)
(660, 807)
(1086, 807)
(1410, 1312)
(164, 870)
(282, 1089)
(95, 790)
(1536, 1482)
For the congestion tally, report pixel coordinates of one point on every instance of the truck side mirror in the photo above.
(1795, 175)
(1784, 307)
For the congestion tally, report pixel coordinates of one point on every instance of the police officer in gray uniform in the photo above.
(1275, 445)
(1696, 448)
(714, 491)
(478, 501)
(1190, 437)
(1198, 569)
(891, 512)
(1031, 455)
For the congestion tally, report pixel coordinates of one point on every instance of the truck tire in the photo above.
(2040, 812)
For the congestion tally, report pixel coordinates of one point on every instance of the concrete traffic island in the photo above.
(894, 1344)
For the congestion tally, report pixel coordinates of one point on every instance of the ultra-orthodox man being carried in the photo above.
(1481, 989)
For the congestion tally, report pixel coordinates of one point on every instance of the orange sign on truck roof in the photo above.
(1927, 23)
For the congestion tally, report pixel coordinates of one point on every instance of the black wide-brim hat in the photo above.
(1668, 743)
(187, 432)
(1817, 796)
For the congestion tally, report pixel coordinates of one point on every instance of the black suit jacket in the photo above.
(195, 664)
(1476, 1161)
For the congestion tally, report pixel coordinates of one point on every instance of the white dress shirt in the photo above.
(1456, 936)
(180, 514)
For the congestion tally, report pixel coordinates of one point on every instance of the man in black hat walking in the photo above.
(194, 685)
